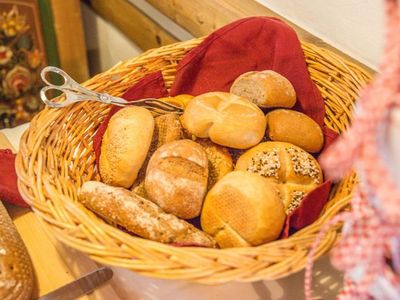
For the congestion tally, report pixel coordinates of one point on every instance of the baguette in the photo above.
(139, 215)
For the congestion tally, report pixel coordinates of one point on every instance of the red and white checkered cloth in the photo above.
(369, 251)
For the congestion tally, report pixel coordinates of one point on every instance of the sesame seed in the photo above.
(265, 163)
(297, 197)
(303, 164)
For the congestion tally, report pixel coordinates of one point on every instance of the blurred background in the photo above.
(89, 36)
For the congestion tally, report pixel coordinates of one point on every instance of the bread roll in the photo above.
(180, 100)
(294, 170)
(167, 128)
(140, 216)
(226, 119)
(265, 88)
(219, 161)
(241, 210)
(284, 125)
(125, 144)
(176, 178)
(16, 271)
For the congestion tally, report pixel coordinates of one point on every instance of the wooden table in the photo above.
(54, 263)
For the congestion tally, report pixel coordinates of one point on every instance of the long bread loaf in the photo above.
(139, 215)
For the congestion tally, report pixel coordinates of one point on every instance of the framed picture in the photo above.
(22, 54)
(33, 35)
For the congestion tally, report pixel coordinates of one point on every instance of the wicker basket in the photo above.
(56, 156)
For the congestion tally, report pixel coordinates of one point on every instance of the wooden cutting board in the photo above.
(54, 263)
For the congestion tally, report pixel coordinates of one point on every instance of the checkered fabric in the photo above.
(369, 251)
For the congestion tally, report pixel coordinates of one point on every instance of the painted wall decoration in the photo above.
(22, 55)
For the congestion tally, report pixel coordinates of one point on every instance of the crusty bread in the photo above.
(179, 100)
(125, 144)
(265, 88)
(139, 215)
(167, 128)
(176, 178)
(294, 170)
(16, 271)
(219, 161)
(242, 209)
(226, 119)
(284, 125)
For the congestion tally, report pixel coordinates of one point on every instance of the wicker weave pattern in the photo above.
(56, 157)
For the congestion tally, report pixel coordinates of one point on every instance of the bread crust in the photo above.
(284, 125)
(226, 119)
(241, 210)
(176, 178)
(167, 129)
(16, 271)
(125, 144)
(219, 161)
(266, 88)
(140, 216)
(293, 170)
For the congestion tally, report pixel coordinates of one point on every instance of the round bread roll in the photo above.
(176, 178)
(294, 127)
(167, 128)
(294, 170)
(125, 144)
(241, 210)
(178, 100)
(219, 161)
(265, 88)
(226, 119)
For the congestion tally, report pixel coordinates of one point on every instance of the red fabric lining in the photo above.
(8, 179)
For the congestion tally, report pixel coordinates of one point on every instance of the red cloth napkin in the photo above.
(255, 43)
(8, 179)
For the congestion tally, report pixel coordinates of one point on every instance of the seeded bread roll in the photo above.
(140, 216)
(284, 125)
(16, 271)
(292, 169)
(176, 178)
(219, 161)
(167, 129)
(242, 210)
(226, 119)
(265, 88)
(125, 144)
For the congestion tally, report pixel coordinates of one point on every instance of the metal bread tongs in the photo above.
(74, 92)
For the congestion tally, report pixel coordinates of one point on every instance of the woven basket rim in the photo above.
(43, 208)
